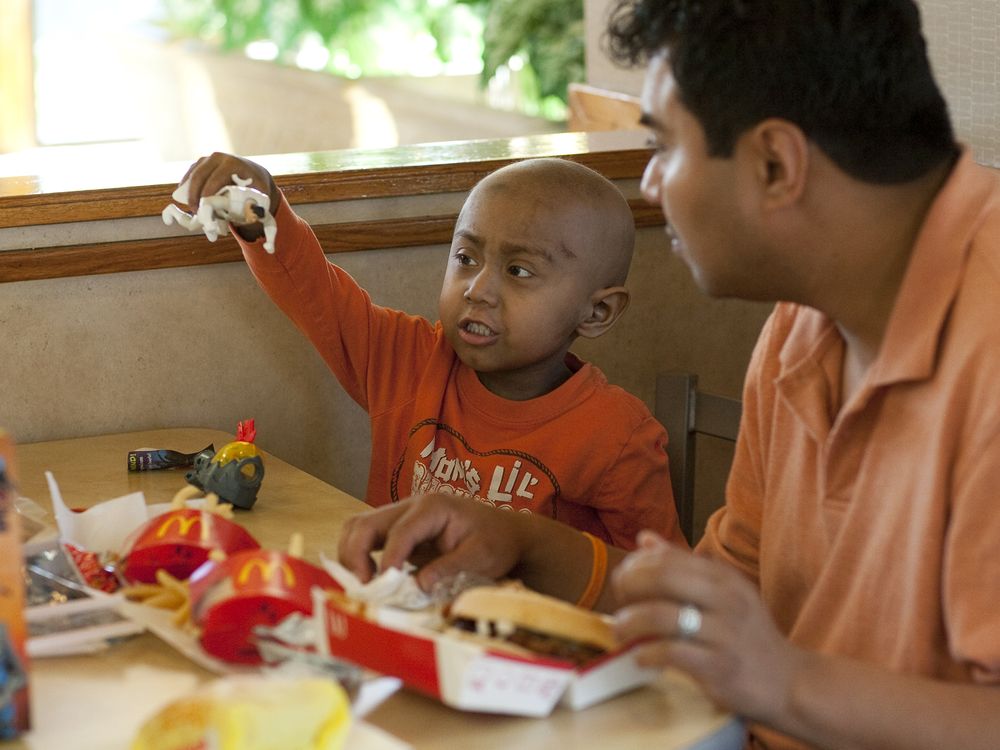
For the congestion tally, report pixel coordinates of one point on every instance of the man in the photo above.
(845, 595)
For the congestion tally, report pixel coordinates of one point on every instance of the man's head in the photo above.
(777, 123)
(852, 74)
(540, 252)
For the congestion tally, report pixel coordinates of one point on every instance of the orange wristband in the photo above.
(598, 572)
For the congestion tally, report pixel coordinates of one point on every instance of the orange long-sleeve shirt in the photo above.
(588, 453)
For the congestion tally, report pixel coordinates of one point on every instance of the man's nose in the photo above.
(650, 185)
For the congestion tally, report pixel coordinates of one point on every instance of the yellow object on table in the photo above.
(252, 713)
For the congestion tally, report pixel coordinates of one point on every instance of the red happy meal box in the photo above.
(475, 671)
(179, 541)
(229, 598)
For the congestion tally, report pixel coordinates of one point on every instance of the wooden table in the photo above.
(97, 702)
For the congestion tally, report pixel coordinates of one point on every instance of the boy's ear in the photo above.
(606, 306)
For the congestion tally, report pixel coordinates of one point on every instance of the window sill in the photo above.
(66, 225)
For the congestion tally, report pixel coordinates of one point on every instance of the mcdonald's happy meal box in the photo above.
(229, 598)
(179, 541)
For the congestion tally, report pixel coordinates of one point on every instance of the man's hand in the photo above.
(737, 654)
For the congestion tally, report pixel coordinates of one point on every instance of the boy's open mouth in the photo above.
(476, 333)
(478, 329)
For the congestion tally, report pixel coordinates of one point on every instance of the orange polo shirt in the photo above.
(873, 532)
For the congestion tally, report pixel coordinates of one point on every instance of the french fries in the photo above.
(212, 504)
(167, 593)
(184, 494)
(296, 545)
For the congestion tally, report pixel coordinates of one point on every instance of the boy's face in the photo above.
(698, 193)
(517, 285)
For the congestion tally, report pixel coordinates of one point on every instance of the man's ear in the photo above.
(606, 306)
(779, 151)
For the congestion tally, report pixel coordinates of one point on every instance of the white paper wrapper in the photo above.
(390, 588)
(106, 526)
(101, 528)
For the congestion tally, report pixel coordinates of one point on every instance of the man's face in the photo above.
(696, 192)
(513, 293)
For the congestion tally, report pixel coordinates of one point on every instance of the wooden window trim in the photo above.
(53, 201)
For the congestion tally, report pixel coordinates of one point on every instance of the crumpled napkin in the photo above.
(391, 588)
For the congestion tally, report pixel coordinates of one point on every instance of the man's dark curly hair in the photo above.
(852, 74)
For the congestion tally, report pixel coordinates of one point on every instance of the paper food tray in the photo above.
(468, 674)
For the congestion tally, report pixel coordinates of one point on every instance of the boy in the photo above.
(846, 595)
(488, 403)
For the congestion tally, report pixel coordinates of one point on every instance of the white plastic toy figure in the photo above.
(236, 204)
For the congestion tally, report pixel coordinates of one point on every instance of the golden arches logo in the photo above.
(184, 525)
(267, 569)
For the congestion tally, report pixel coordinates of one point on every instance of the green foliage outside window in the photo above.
(549, 35)
(401, 37)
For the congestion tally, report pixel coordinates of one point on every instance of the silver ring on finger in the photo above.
(688, 621)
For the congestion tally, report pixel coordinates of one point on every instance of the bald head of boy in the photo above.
(540, 252)
(602, 230)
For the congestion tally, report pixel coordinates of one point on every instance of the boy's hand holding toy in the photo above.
(222, 189)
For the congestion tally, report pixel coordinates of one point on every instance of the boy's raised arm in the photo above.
(324, 302)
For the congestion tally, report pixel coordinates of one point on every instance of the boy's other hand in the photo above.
(465, 535)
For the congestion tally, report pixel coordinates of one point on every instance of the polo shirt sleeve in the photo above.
(733, 532)
(971, 575)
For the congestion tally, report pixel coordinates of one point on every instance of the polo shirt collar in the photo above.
(809, 378)
(933, 276)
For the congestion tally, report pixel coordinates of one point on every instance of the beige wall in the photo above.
(204, 346)
(600, 70)
(964, 43)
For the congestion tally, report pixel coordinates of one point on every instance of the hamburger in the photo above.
(527, 623)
